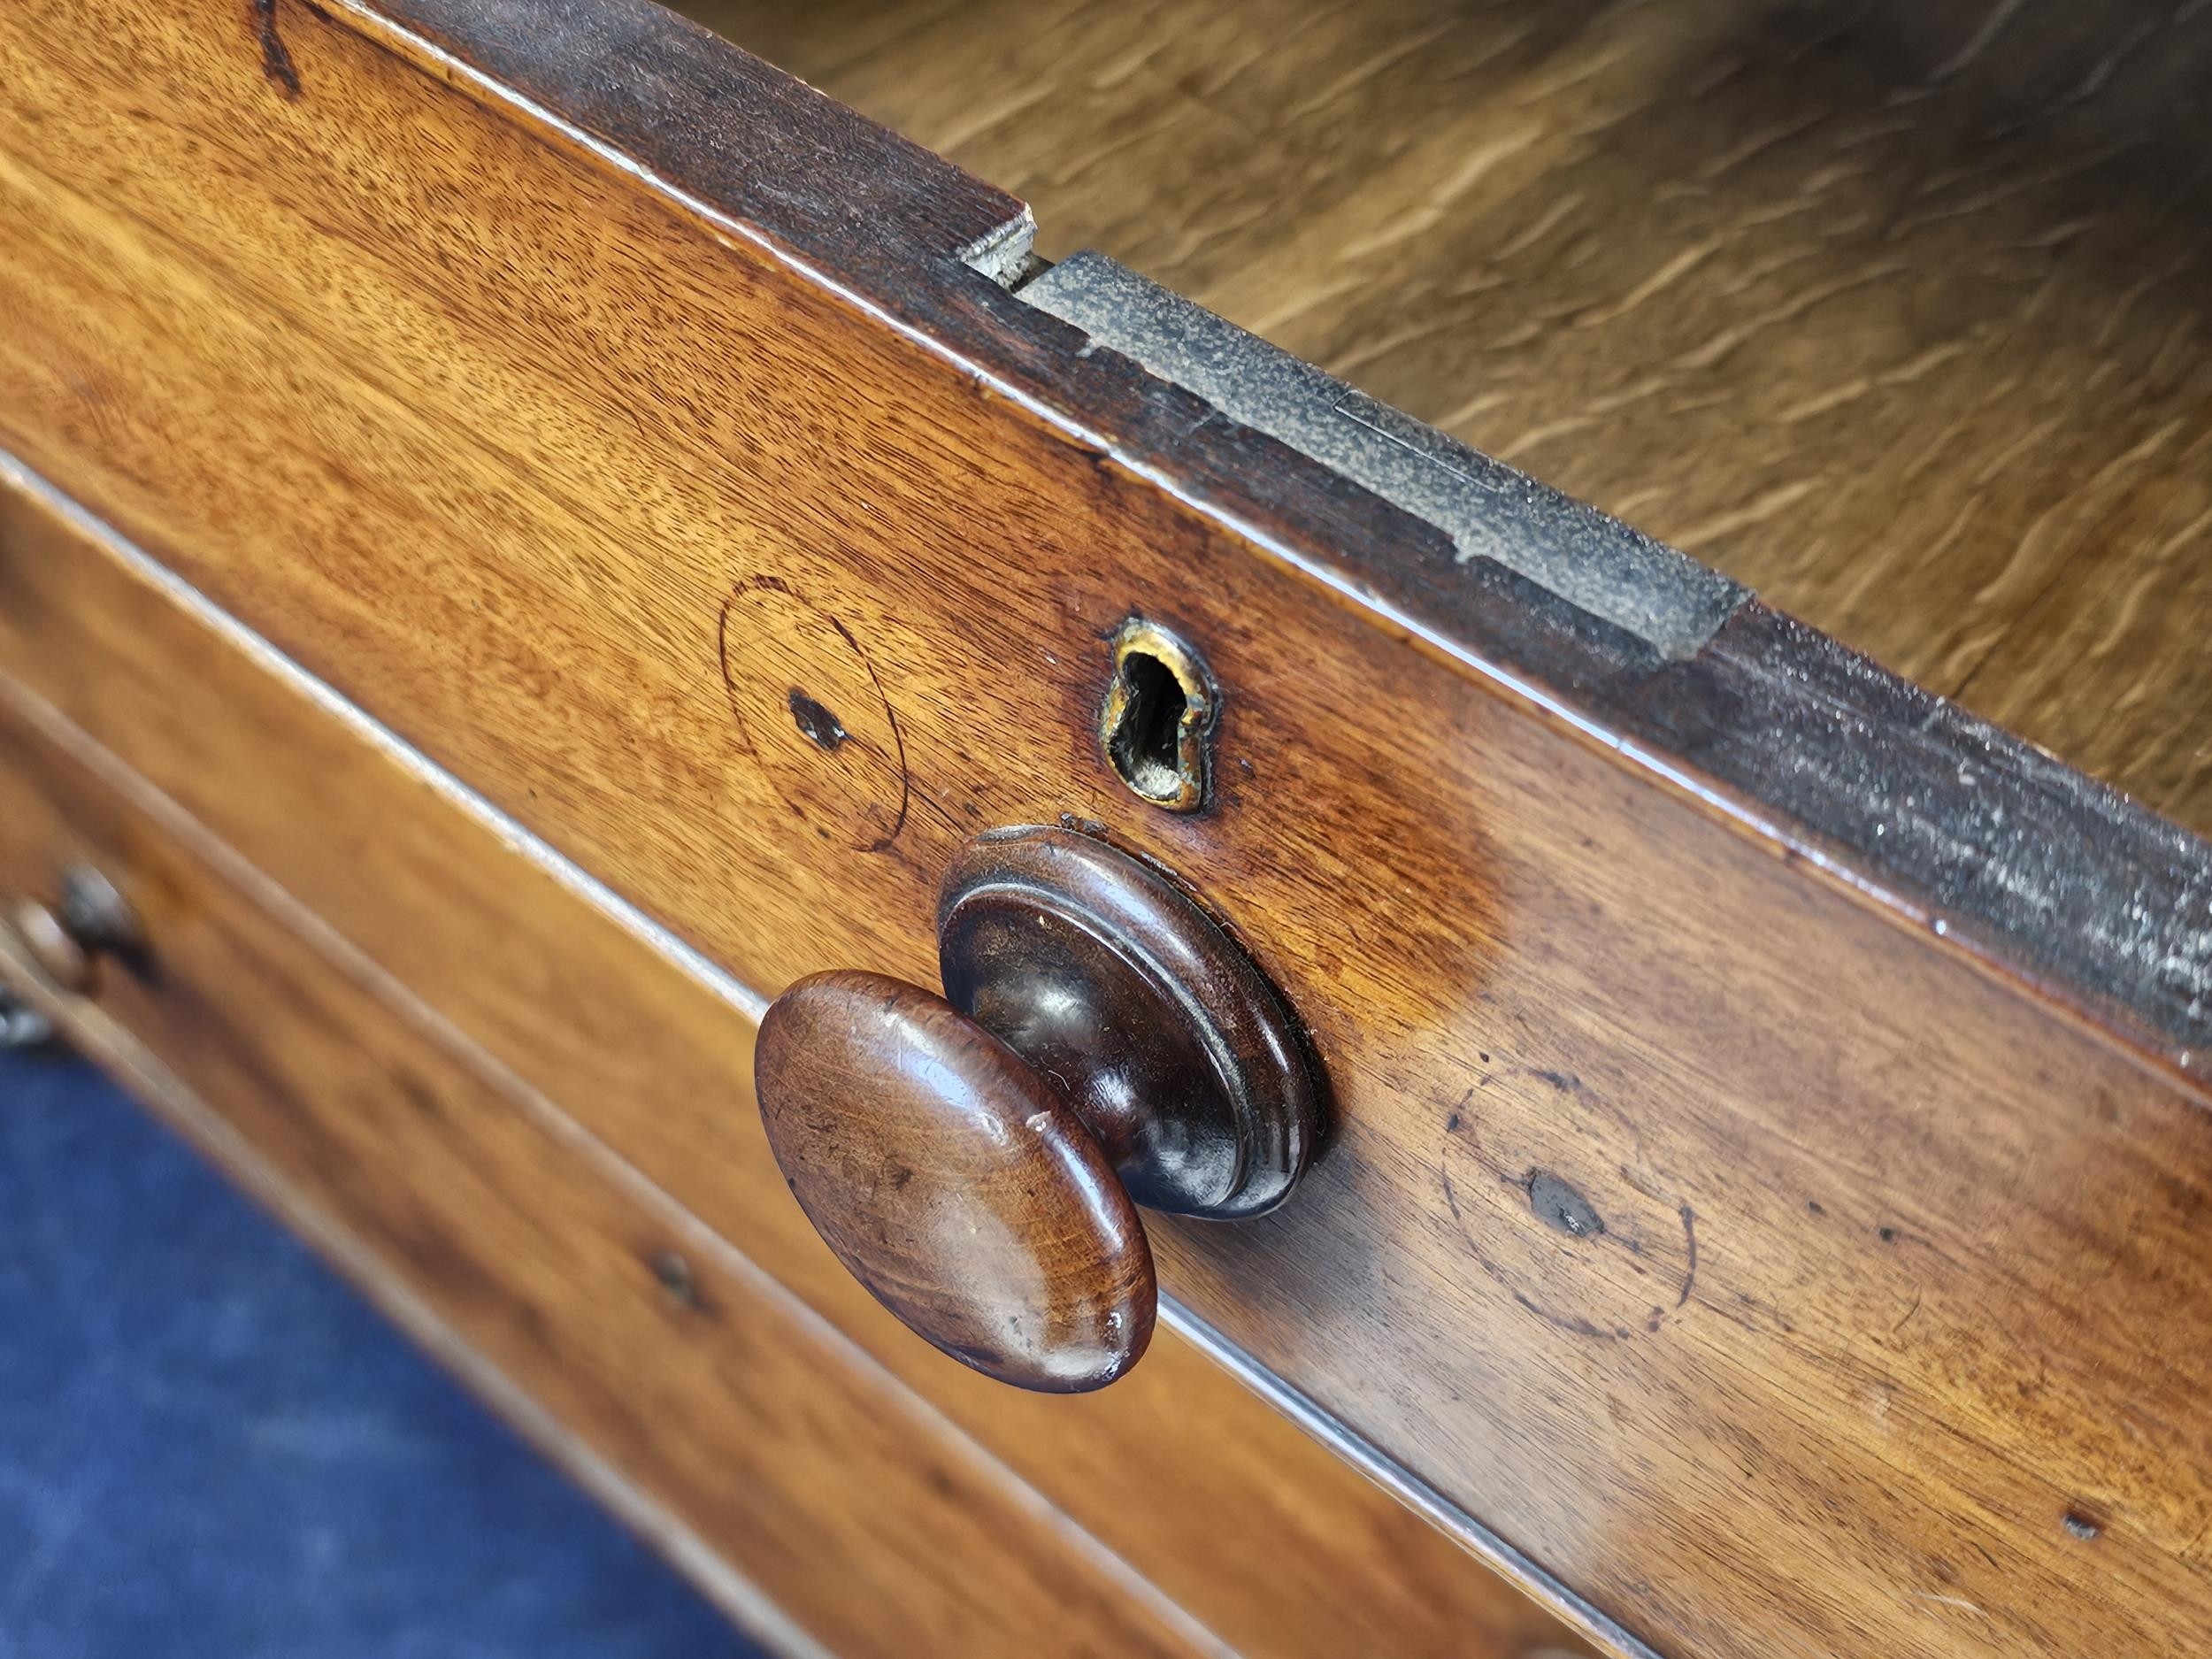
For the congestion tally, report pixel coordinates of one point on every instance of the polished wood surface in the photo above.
(689, 1388)
(1262, 1534)
(955, 1182)
(2015, 857)
(1896, 314)
(1923, 1368)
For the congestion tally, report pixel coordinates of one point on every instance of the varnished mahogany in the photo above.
(613, 1041)
(1897, 312)
(1109, 977)
(1874, 1032)
(813, 1495)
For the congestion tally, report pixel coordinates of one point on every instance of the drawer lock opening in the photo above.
(1158, 722)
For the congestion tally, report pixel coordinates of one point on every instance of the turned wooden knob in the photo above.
(66, 940)
(977, 1159)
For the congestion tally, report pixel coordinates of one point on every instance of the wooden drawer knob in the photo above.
(65, 939)
(977, 1159)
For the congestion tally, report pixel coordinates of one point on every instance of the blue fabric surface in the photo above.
(208, 1445)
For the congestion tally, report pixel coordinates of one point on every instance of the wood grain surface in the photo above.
(669, 1361)
(1955, 820)
(1894, 312)
(1893, 1338)
(1273, 1543)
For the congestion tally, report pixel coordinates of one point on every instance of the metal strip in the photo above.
(1490, 511)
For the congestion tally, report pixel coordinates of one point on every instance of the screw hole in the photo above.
(2080, 1525)
(1157, 724)
(675, 1274)
(816, 723)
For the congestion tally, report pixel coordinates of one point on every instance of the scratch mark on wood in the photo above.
(1907, 1320)
(1947, 1601)
(1999, 14)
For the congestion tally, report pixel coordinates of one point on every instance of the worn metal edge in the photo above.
(1490, 510)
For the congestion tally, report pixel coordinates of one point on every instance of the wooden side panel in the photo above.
(836, 1492)
(1278, 1547)
(1895, 1339)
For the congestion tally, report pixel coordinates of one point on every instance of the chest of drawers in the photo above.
(529, 530)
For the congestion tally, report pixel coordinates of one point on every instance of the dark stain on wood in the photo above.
(1558, 1204)
(276, 57)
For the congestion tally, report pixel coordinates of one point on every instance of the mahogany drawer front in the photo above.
(508, 1244)
(1269, 1540)
(1894, 1336)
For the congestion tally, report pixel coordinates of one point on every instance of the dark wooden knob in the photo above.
(955, 1184)
(66, 939)
(977, 1159)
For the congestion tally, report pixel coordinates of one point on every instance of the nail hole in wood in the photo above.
(1157, 724)
(1558, 1204)
(675, 1274)
(817, 724)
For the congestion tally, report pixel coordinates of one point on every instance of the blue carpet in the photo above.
(210, 1446)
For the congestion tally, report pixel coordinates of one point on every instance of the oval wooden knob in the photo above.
(59, 955)
(977, 1162)
(945, 1173)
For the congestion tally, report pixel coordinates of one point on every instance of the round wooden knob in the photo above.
(947, 1175)
(61, 957)
(976, 1160)
(66, 939)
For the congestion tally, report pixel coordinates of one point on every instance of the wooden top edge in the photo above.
(2042, 873)
(706, 119)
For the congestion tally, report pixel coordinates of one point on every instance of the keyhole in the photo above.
(1158, 721)
(1144, 745)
